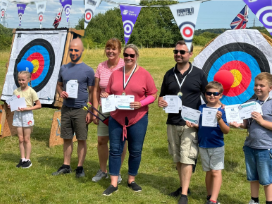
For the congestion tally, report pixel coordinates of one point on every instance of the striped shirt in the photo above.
(103, 72)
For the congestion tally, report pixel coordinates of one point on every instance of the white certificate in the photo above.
(173, 102)
(123, 102)
(246, 109)
(232, 114)
(108, 104)
(209, 117)
(17, 103)
(72, 88)
(190, 115)
(11, 99)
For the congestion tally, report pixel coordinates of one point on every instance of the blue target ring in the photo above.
(242, 57)
(42, 51)
(250, 56)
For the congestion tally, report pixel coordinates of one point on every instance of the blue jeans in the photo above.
(135, 138)
(259, 165)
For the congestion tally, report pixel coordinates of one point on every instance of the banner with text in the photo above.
(66, 4)
(40, 9)
(263, 11)
(129, 18)
(4, 5)
(185, 15)
(21, 11)
(90, 6)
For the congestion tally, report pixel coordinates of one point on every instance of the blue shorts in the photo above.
(258, 165)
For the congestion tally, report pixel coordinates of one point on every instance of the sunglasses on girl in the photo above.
(129, 55)
(182, 52)
(213, 93)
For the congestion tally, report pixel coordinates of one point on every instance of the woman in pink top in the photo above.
(102, 75)
(129, 125)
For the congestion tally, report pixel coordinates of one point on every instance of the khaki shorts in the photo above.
(102, 129)
(182, 144)
(73, 121)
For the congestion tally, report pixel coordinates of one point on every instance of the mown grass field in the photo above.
(157, 174)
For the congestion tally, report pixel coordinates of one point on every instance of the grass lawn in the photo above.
(157, 174)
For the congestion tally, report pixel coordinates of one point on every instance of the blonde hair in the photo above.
(265, 76)
(26, 73)
(215, 85)
(134, 47)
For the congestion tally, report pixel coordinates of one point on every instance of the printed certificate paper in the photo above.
(174, 104)
(190, 115)
(209, 117)
(246, 109)
(17, 103)
(123, 102)
(232, 114)
(108, 104)
(72, 88)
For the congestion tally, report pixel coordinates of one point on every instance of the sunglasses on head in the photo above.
(129, 55)
(71, 50)
(182, 52)
(213, 93)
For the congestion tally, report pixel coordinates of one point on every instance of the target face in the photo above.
(265, 17)
(40, 18)
(128, 27)
(88, 15)
(245, 54)
(245, 62)
(187, 30)
(41, 54)
(2, 13)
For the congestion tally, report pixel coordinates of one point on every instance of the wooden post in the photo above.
(6, 122)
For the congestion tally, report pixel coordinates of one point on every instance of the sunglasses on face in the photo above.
(129, 55)
(182, 52)
(71, 50)
(213, 93)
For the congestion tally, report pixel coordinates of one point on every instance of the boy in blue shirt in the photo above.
(258, 144)
(211, 141)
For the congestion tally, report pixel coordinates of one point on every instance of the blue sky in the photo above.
(212, 14)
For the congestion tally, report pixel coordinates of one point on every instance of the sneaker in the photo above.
(80, 172)
(183, 200)
(26, 164)
(119, 179)
(178, 192)
(253, 202)
(62, 170)
(99, 175)
(134, 186)
(20, 163)
(110, 190)
(209, 197)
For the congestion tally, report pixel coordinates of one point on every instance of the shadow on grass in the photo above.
(162, 152)
(41, 134)
(11, 157)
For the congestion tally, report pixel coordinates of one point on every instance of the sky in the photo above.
(212, 14)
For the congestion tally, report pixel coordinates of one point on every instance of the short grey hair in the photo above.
(134, 47)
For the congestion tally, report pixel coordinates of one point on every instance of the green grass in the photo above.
(157, 174)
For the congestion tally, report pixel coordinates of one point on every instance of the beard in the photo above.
(76, 60)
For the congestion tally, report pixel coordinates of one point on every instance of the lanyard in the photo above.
(180, 84)
(124, 82)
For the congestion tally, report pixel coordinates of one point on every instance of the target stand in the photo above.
(47, 49)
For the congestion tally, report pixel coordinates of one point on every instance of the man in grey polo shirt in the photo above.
(74, 120)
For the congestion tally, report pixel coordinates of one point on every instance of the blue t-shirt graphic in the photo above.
(210, 137)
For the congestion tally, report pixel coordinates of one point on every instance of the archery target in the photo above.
(40, 17)
(44, 49)
(67, 10)
(2, 13)
(245, 59)
(128, 27)
(187, 30)
(41, 54)
(265, 16)
(88, 15)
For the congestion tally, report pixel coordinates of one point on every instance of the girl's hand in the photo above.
(104, 95)
(22, 109)
(135, 105)
(191, 125)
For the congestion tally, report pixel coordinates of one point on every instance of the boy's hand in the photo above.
(257, 116)
(235, 124)
(218, 115)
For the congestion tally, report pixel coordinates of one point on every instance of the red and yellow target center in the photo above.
(237, 77)
(36, 65)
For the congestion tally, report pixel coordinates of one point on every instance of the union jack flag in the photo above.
(57, 19)
(240, 21)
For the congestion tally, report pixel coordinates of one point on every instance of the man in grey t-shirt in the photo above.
(74, 120)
